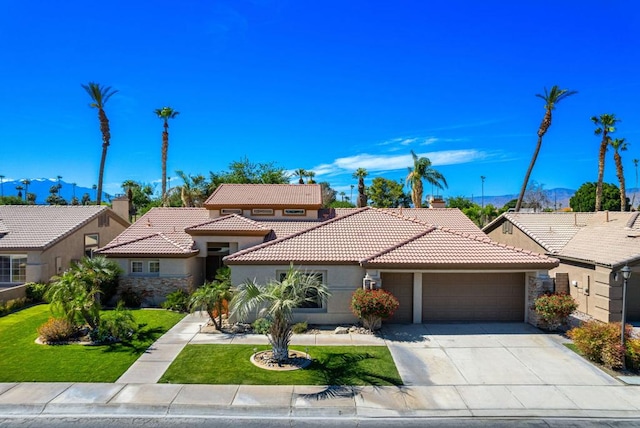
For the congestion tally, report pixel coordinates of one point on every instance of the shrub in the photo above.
(115, 326)
(633, 354)
(56, 330)
(15, 304)
(35, 291)
(600, 342)
(372, 306)
(130, 298)
(3, 309)
(300, 327)
(261, 326)
(555, 308)
(177, 301)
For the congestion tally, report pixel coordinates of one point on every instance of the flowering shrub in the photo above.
(600, 342)
(555, 308)
(371, 306)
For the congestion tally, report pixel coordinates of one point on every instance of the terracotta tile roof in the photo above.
(229, 223)
(552, 231)
(159, 231)
(451, 218)
(285, 228)
(444, 248)
(265, 196)
(40, 226)
(370, 234)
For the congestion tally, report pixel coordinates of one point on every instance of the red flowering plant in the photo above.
(372, 306)
(555, 308)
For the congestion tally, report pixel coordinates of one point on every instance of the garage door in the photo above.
(401, 286)
(473, 297)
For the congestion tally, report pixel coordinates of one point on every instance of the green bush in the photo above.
(600, 342)
(117, 325)
(3, 309)
(555, 308)
(35, 291)
(56, 330)
(15, 304)
(300, 327)
(130, 298)
(261, 326)
(177, 301)
(633, 354)
(372, 306)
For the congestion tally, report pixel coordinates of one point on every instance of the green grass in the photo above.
(332, 365)
(22, 360)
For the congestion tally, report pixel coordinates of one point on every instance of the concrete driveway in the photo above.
(486, 354)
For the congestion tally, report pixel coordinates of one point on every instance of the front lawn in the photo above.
(22, 360)
(332, 365)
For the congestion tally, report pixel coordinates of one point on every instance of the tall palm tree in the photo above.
(19, 188)
(99, 96)
(310, 175)
(165, 113)
(635, 164)
(26, 183)
(620, 145)
(605, 125)
(551, 98)
(277, 300)
(422, 170)
(301, 174)
(360, 174)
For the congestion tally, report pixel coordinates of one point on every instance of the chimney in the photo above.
(121, 205)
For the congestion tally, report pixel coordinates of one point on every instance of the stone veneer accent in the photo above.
(536, 287)
(153, 290)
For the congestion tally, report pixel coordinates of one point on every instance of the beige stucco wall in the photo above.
(237, 243)
(342, 281)
(517, 239)
(278, 214)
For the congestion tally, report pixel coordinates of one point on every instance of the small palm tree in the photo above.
(605, 125)
(301, 174)
(75, 299)
(551, 98)
(422, 170)
(26, 183)
(99, 97)
(277, 300)
(620, 145)
(212, 296)
(165, 113)
(310, 176)
(635, 165)
(360, 174)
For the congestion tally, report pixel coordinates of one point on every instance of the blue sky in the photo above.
(328, 86)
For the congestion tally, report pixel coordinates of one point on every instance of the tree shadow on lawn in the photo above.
(142, 338)
(341, 371)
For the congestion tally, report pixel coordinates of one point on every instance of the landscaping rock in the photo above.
(341, 330)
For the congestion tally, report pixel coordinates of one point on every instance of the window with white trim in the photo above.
(137, 266)
(13, 268)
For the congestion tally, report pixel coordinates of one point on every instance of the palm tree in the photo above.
(26, 183)
(310, 175)
(551, 98)
(192, 191)
(2, 186)
(19, 188)
(277, 300)
(99, 96)
(605, 125)
(301, 174)
(620, 145)
(165, 113)
(212, 296)
(342, 196)
(360, 174)
(422, 170)
(635, 164)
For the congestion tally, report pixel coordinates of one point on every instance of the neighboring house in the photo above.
(436, 261)
(40, 241)
(591, 248)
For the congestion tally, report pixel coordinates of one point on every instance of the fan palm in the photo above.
(99, 96)
(310, 176)
(75, 299)
(620, 145)
(165, 113)
(422, 170)
(277, 300)
(605, 125)
(551, 98)
(301, 174)
(360, 174)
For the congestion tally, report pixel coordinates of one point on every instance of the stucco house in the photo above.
(591, 249)
(38, 241)
(436, 261)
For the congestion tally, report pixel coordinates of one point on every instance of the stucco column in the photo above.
(417, 298)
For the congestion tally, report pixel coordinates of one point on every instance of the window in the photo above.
(103, 220)
(154, 266)
(13, 268)
(91, 243)
(262, 211)
(226, 211)
(136, 267)
(313, 301)
(507, 227)
(291, 211)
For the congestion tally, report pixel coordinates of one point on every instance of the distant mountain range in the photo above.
(40, 187)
